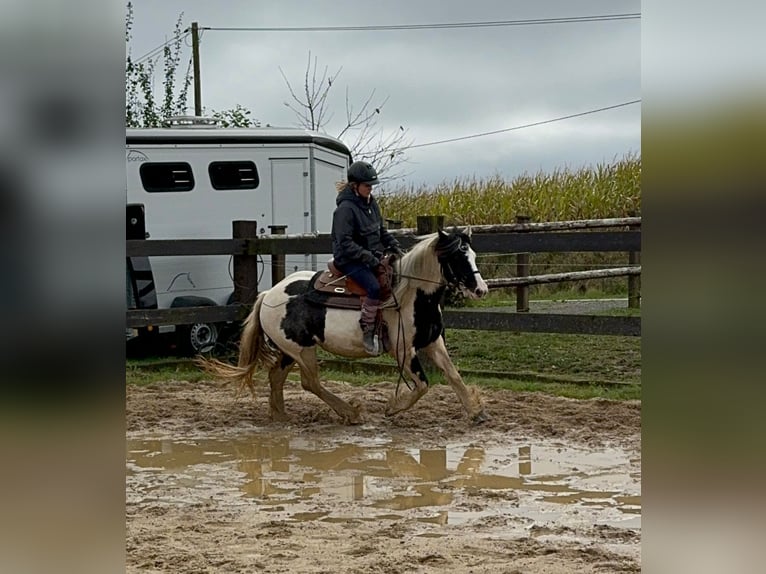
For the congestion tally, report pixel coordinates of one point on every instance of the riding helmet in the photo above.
(362, 172)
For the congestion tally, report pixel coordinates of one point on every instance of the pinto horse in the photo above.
(288, 322)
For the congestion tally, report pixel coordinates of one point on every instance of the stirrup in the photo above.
(373, 351)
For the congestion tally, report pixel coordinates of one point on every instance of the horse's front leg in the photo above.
(469, 396)
(403, 398)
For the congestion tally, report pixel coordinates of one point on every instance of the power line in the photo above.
(158, 49)
(487, 24)
(438, 26)
(521, 126)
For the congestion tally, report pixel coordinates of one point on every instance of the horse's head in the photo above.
(458, 263)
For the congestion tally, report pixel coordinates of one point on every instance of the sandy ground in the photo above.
(547, 485)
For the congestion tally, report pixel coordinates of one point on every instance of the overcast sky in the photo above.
(441, 84)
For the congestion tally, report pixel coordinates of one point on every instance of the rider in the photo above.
(358, 242)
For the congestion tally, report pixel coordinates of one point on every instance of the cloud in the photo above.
(439, 83)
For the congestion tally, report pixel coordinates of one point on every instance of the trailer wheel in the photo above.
(197, 338)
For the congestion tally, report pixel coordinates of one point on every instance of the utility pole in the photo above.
(195, 59)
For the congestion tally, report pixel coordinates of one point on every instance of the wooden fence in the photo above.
(521, 238)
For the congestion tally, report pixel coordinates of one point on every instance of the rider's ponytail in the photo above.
(340, 185)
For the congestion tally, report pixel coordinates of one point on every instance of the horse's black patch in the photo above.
(297, 287)
(303, 322)
(428, 318)
(287, 360)
(417, 369)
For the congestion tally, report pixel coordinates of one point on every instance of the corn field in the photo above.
(606, 190)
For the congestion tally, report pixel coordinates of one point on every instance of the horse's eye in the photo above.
(464, 247)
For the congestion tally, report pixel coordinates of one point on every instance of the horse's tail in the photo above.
(254, 351)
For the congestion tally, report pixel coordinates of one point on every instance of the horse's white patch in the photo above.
(343, 335)
(481, 285)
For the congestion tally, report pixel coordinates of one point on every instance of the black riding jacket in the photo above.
(357, 230)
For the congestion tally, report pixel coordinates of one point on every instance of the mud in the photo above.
(547, 485)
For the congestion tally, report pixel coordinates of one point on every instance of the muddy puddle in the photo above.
(289, 477)
(549, 485)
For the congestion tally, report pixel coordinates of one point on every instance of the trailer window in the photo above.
(168, 176)
(233, 175)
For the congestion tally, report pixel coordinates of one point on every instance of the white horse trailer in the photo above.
(192, 182)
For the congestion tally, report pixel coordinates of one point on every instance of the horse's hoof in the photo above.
(392, 407)
(392, 410)
(355, 418)
(481, 417)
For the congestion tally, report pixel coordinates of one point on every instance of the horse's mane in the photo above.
(421, 263)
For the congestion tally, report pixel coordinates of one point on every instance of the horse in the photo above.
(288, 322)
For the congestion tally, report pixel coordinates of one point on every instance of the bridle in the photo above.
(443, 254)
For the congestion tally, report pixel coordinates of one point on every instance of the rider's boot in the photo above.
(367, 322)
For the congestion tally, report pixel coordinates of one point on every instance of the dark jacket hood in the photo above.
(347, 194)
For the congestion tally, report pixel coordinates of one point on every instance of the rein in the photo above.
(448, 278)
(423, 279)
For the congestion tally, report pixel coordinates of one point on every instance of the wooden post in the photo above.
(277, 261)
(245, 266)
(195, 60)
(634, 281)
(435, 461)
(393, 223)
(522, 270)
(429, 224)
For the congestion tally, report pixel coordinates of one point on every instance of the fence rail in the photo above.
(507, 243)
(558, 277)
(520, 227)
(186, 315)
(542, 322)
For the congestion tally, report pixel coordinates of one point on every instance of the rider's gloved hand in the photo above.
(396, 250)
(371, 259)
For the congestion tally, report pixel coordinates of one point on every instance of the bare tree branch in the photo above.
(368, 140)
(312, 108)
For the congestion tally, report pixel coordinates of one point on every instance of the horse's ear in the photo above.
(441, 233)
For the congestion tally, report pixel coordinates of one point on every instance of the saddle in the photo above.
(332, 289)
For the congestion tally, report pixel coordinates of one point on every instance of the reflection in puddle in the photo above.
(355, 481)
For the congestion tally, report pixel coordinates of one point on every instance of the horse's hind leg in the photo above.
(310, 382)
(277, 375)
(469, 396)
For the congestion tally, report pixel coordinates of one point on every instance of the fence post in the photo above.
(522, 270)
(429, 224)
(245, 266)
(393, 223)
(634, 281)
(277, 261)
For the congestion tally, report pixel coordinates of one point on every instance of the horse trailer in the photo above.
(191, 181)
